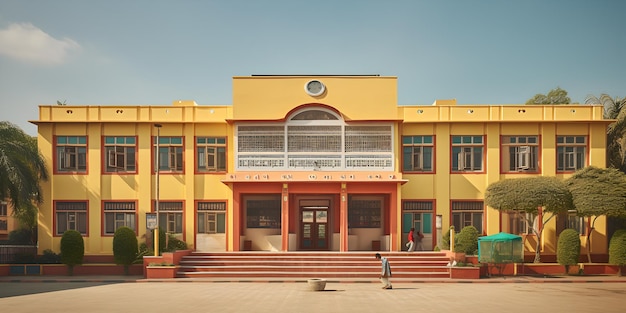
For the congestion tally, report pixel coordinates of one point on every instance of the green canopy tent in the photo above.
(500, 248)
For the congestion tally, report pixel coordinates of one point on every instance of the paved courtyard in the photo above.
(205, 296)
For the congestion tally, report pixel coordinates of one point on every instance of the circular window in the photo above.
(314, 88)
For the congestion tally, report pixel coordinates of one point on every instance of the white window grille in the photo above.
(316, 139)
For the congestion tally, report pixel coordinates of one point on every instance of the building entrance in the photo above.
(314, 224)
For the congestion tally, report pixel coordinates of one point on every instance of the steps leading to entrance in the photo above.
(413, 265)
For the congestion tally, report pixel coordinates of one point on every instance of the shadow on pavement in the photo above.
(13, 289)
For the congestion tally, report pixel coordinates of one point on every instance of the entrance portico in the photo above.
(314, 211)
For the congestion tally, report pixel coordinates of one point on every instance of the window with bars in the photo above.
(263, 213)
(118, 214)
(364, 213)
(211, 152)
(120, 154)
(520, 154)
(211, 217)
(571, 153)
(576, 222)
(467, 213)
(417, 153)
(71, 154)
(170, 154)
(467, 153)
(70, 215)
(171, 216)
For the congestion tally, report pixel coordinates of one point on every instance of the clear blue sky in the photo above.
(151, 52)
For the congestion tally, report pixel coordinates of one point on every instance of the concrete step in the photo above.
(415, 265)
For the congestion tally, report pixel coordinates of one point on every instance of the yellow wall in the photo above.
(271, 97)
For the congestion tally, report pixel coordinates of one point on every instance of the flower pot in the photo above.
(316, 284)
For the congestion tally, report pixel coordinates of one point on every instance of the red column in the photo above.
(284, 224)
(236, 232)
(343, 219)
(393, 220)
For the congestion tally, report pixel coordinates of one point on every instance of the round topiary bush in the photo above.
(72, 250)
(568, 248)
(467, 240)
(125, 247)
(617, 249)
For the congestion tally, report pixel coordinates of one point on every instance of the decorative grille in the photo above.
(260, 161)
(314, 162)
(369, 161)
(71, 206)
(418, 206)
(368, 139)
(170, 206)
(211, 206)
(119, 206)
(261, 138)
(467, 206)
(314, 138)
(314, 141)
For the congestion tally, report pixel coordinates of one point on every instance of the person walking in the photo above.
(418, 241)
(386, 271)
(411, 243)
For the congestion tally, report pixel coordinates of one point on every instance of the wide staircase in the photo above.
(303, 265)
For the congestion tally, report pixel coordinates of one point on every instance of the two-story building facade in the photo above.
(316, 163)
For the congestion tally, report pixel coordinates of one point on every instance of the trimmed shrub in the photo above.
(22, 236)
(72, 250)
(568, 248)
(174, 244)
(467, 240)
(49, 257)
(125, 247)
(617, 249)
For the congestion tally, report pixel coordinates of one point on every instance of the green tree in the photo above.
(125, 247)
(72, 250)
(22, 168)
(530, 195)
(614, 109)
(617, 249)
(554, 96)
(467, 240)
(598, 192)
(568, 248)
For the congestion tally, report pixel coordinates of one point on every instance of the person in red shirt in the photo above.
(411, 243)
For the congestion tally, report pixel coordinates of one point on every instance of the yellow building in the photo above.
(305, 163)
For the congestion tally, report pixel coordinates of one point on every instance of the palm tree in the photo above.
(615, 109)
(22, 167)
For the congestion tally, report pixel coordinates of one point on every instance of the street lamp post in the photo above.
(156, 202)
